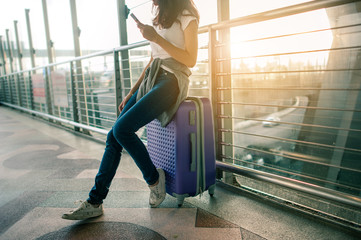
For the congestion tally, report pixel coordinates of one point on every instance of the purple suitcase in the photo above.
(185, 149)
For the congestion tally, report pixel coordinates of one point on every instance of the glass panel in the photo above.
(143, 10)
(38, 33)
(96, 95)
(296, 97)
(207, 10)
(199, 81)
(244, 8)
(12, 65)
(38, 91)
(24, 43)
(11, 13)
(98, 23)
(60, 91)
(61, 33)
(139, 58)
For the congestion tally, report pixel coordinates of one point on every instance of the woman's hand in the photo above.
(148, 32)
(187, 56)
(134, 88)
(125, 100)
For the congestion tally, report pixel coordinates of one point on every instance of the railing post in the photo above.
(20, 54)
(31, 95)
(11, 65)
(3, 89)
(17, 80)
(10, 54)
(123, 12)
(3, 62)
(212, 38)
(2, 96)
(47, 90)
(225, 81)
(83, 99)
(49, 43)
(82, 93)
(30, 39)
(20, 62)
(73, 96)
(9, 79)
(32, 58)
(2, 56)
(75, 27)
(118, 83)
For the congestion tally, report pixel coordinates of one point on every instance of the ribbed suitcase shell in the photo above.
(170, 148)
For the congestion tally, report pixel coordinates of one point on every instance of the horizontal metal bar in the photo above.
(287, 72)
(200, 88)
(289, 172)
(294, 124)
(67, 118)
(309, 188)
(102, 89)
(200, 74)
(104, 105)
(301, 107)
(75, 124)
(97, 54)
(291, 157)
(292, 53)
(102, 119)
(98, 111)
(98, 94)
(274, 14)
(288, 88)
(302, 33)
(294, 141)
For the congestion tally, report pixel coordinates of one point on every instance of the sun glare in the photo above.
(296, 36)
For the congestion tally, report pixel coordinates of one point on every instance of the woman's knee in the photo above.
(110, 136)
(111, 140)
(121, 131)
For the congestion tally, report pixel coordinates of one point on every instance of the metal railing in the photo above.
(289, 116)
(81, 92)
(295, 123)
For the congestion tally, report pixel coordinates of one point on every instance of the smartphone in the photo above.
(135, 18)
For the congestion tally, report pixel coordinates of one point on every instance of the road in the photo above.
(257, 136)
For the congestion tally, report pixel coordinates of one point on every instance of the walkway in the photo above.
(44, 169)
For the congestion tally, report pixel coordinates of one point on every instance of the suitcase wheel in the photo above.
(211, 190)
(180, 200)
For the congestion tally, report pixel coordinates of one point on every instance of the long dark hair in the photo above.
(167, 11)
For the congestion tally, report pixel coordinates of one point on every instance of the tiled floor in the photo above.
(41, 177)
(44, 169)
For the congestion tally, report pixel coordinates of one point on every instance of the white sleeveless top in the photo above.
(174, 35)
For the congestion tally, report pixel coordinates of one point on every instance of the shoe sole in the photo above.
(157, 204)
(79, 217)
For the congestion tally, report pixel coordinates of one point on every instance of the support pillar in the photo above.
(225, 81)
(124, 85)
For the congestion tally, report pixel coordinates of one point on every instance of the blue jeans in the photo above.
(135, 115)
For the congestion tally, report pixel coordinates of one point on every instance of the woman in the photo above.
(162, 86)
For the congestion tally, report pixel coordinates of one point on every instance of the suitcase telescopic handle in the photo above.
(193, 152)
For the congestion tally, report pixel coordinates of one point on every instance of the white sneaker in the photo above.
(84, 211)
(157, 192)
